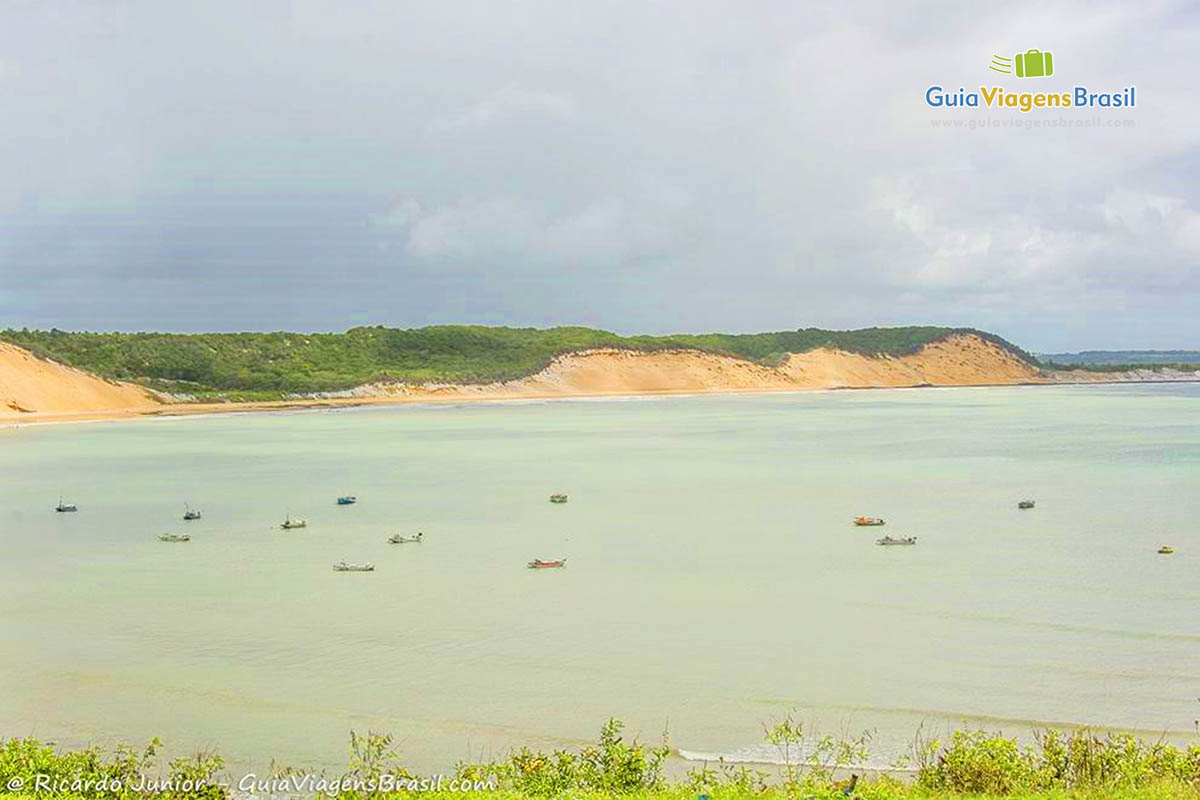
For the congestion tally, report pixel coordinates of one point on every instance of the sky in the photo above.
(642, 167)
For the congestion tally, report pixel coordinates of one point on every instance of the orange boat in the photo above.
(538, 563)
(868, 521)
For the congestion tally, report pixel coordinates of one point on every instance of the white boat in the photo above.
(1026, 504)
(289, 523)
(65, 506)
(190, 513)
(343, 566)
(558, 498)
(903, 540)
(174, 537)
(398, 539)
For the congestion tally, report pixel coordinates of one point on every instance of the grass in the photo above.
(972, 764)
(268, 366)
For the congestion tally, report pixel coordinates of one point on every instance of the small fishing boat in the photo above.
(347, 500)
(343, 566)
(289, 523)
(174, 537)
(538, 563)
(1166, 550)
(558, 498)
(398, 539)
(1026, 504)
(61, 507)
(888, 541)
(868, 521)
(191, 513)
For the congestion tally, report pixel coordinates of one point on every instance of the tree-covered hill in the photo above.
(274, 364)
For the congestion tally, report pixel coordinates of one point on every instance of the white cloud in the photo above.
(1141, 212)
(508, 102)
(1167, 221)
(947, 255)
(609, 231)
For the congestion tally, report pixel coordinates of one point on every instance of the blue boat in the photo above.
(347, 500)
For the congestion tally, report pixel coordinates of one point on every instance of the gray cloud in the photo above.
(641, 167)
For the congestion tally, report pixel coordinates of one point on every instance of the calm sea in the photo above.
(714, 579)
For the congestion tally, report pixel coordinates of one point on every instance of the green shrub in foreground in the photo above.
(38, 770)
(973, 764)
(613, 766)
(977, 762)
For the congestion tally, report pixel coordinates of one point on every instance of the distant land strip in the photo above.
(275, 365)
(59, 375)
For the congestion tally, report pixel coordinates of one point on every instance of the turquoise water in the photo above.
(714, 580)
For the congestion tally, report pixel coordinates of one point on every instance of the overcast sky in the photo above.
(642, 167)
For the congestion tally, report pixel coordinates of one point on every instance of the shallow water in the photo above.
(714, 580)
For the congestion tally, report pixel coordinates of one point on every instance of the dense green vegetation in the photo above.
(972, 764)
(260, 365)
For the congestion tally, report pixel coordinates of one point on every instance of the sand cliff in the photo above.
(33, 389)
(959, 360)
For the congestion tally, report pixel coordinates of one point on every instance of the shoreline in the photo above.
(179, 410)
(37, 391)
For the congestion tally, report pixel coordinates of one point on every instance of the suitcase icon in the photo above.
(1035, 64)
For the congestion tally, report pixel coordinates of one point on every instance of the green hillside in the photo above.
(263, 365)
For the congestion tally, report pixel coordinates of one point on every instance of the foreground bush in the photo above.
(613, 766)
(29, 768)
(975, 764)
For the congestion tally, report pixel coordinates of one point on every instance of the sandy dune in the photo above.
(603, 372)
(961, 360)
(32, 389)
